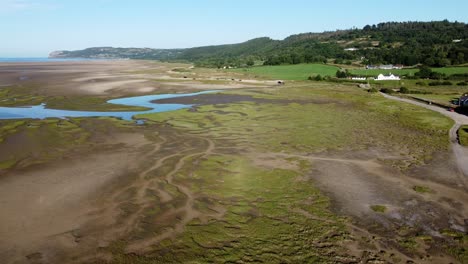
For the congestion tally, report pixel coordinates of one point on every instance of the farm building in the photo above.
(390, 77)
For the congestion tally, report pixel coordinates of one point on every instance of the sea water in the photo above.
(42, 59)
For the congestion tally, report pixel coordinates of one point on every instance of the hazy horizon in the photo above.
(35, 28)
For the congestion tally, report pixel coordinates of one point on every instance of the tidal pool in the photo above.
(41, 112)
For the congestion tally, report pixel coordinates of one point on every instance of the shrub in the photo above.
(315, 78)
(421, 83)
(386, 90)
(420, 92)
(438, 83)
(338, 61)
(462, 83)
(372, 90)
(341, 74)
(404, 90)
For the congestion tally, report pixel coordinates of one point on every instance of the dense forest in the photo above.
(437, 43)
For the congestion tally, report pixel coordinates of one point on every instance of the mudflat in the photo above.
(307, 172)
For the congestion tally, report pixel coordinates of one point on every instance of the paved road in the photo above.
(460, 152)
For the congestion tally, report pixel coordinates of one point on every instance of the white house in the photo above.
(358, 78)
(391, 77)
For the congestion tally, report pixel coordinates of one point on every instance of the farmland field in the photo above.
(303, 71)
(290, 72)
(375, 72)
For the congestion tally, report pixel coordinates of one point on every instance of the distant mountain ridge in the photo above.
(118, 53)
(436, 43)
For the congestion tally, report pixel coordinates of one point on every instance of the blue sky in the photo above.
(36, 27)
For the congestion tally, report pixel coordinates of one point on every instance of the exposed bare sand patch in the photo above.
(209, 86)
(43, 206)
(99, 78)
(104, 87)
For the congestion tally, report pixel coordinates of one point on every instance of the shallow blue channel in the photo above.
(41, 112)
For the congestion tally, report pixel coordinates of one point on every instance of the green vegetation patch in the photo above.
(378, 208)
(463, 135)
(291, 72)
(34, 141)
(375, 72)
(422, 189)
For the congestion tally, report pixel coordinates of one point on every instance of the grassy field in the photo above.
(290, 72)
(446, 70)
(303, 71)
(445, 99)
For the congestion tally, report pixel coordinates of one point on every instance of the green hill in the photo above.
(436, 43)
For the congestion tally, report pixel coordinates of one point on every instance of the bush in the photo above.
(420, 92)
(462, 83)
(316, 78)
(372, 90)
(338, 61)
(386, 90)
(404, 90)
(458, 76)
(435, 83)
(342, 74)
(438, 83)
(421, 83)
